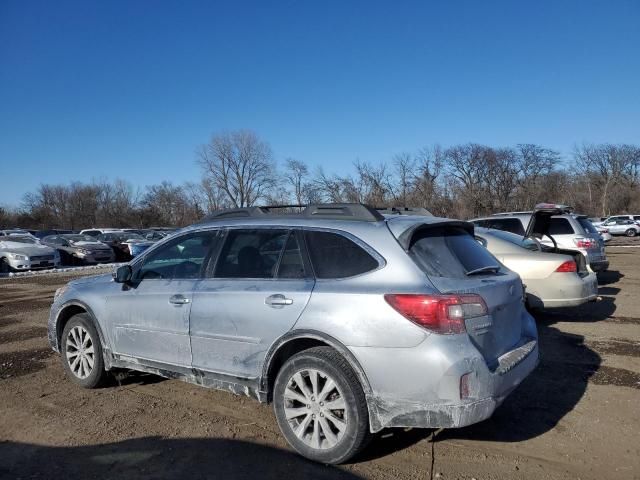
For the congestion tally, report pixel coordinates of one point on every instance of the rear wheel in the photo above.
(320, 406)
(82, 352)
(631, 233)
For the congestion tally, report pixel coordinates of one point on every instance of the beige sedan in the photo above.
(553, 278)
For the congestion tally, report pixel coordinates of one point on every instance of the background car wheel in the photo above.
(320, 406)
(631, 232)
(82, 353)
(4, 266)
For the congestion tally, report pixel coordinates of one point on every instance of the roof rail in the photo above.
(327, 211)
(511, 213)
(404, 211)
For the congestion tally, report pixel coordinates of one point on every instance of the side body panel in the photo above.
(232, 326)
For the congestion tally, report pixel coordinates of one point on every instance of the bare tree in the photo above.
(608, 167)
(240, 165)
(296, 175)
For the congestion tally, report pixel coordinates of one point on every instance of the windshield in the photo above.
(19, 239)
(528, 243)
(131, 236)
(79, 238)
(450, 252)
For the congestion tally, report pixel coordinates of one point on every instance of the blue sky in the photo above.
(130, 88)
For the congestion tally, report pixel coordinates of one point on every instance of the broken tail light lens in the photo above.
(584, 242)
(568, 267)
(464, 386)
(444, 314)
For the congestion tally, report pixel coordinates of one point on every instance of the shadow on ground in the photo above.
(567, 364)
(160, 458)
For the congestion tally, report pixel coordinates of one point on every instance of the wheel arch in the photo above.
(295, 342)
(68, 311)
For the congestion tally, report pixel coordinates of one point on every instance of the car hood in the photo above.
(26, 249)
(140, 242)
(102, 278)
(90, 245)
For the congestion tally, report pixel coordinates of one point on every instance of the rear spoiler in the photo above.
(406, 238)
(554, 208)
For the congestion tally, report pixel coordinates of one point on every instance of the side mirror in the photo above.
(122, 274)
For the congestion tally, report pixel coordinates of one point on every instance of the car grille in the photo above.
(41, 258)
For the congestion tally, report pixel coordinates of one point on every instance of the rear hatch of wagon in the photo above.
(456, 263)
(582, 236)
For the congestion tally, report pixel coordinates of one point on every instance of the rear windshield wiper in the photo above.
(488, 268)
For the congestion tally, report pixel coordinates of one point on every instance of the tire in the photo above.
(330, 436)
(4, 266)
(87, 368)
(630, 233)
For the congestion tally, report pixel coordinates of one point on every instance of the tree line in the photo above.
(238, 169)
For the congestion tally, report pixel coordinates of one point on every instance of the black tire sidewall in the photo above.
(98, 372)
(352, 440)
(4, 266)
(631, 232)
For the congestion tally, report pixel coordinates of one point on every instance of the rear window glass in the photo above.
(512, 225)
(449, 252)
(560, 226)
(587, 225)
(335, 256)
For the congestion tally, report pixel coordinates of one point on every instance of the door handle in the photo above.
(277, 300)
(178, 299)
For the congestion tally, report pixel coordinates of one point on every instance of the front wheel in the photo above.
(631, 232)
(82, 353)
(320, 406)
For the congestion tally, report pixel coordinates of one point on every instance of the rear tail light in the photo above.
(443, 314)
(568, 266)
(584, 242)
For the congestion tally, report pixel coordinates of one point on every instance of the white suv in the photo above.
(628, 225)
(556, 227)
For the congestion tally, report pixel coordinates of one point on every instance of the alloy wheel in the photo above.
(80, 352)
(315, 409)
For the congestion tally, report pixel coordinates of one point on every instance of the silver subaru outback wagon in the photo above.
(347, 320)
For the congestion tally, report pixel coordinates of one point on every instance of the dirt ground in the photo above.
(576, 416)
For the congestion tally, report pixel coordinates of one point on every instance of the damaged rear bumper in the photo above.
(488, 391)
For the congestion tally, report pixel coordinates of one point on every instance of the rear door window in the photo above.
(560, 226)
(291, 264)
(251, 253)
(512, 225)
(450, 252)
(335, 256)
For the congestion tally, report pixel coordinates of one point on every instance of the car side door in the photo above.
(149, 316)
(254, 294)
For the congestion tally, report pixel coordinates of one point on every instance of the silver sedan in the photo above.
(551, 279)
(21, 252)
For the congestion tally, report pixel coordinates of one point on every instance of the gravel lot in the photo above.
(575, 417)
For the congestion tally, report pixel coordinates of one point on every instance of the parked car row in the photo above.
(22, 250)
